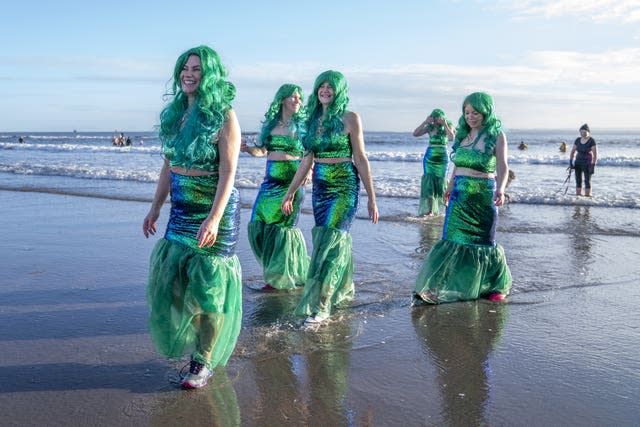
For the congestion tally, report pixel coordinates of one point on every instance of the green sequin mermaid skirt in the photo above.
(467, 263)
(329, 282)
(276, 242)
(195, 294)
(433, 185)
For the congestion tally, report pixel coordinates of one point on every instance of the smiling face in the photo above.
(190, 76)
(473, 118)
(291, 104)
(326, 94)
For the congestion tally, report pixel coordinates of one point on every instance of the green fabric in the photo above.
(432, 190)
(282, 253)
(195, 303)
(458, 272)
(330, 279)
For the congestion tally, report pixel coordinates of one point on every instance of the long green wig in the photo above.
(439, 129)
(213, 101)
(491, 125)
(332, 123)
(274, 113)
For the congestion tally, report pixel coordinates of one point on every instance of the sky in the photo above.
(549, 64)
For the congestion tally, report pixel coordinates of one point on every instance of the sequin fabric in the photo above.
(336, 188)
(266, 208)
(337, 146)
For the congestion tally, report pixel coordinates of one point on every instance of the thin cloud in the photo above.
(627, 11)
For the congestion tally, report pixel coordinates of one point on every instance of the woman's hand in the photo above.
(498, 198)
(287, 204)
(149, 223)
(207, 233)
(373, 211)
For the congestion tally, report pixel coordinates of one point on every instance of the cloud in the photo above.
(627, 11)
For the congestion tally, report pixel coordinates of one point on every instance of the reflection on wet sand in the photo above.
(458, 339)
(430, 233)
(214, 405)
(581, 239)
(301, 377)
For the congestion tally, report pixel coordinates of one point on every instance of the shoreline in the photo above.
(76, 347)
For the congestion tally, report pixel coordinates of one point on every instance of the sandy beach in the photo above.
(75, 349)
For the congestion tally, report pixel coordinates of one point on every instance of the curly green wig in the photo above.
(274, 113)
(332, 122)
(491, 125)
(208, 115)
(439, 129)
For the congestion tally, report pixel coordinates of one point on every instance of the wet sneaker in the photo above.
(268, 287)
(318, 318)
(197, 377)
(496, 297)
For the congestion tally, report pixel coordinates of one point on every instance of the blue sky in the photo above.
(88, 66)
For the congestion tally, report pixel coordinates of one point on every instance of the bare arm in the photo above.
(594, 154)
(422, 127)
(301, 176)
(502, 169)
(253, 150)
(353, 126)
(228, 150)
(162, 191)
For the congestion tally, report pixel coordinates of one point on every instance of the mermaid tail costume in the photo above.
(277, 243)
(195, 294)
(467, 263)
(433, 185)
(336, 187)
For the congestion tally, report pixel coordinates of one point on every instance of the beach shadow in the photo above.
(458, 339)
(147, 377)
(76, 323)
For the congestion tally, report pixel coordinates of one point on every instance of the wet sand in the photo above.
(75, 350)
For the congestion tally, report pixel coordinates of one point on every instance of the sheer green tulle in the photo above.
(282, 253)
(195, 303)
(431, 194)
(459, 272)
(330, 279)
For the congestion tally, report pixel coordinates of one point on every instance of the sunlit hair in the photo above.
(332, 123)
(213, 102)
(439, 129)
(491, 125)
(274, 113)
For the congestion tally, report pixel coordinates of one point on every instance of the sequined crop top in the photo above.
(465, 157)
(190, 156)
(438, 139)
(338, 146)
(285, 144)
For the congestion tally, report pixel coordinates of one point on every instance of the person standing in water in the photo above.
(195, 285)
(585, 152)
(276, 241)
(434, 162)
(468, 263)
(335, 149)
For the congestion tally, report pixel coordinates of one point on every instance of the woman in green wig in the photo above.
(195, 288)
(334, 147)
(275, 240)
(467, 263)
(434, 162)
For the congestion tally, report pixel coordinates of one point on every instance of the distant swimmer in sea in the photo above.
(563, 147)
(522, 146)
(21, 140)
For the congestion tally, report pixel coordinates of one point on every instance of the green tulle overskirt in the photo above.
(195, 303)
(282, 253)
(329, 281)
(459, 272)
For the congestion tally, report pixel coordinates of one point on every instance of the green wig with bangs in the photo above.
(213, 102)
(491, 125)
(439, 129)
(332, 123)
(274, 113)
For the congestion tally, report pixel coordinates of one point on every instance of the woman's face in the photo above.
(584, 133)
(325, 94)
(291, 104)
(473, 118)
(190, 75)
